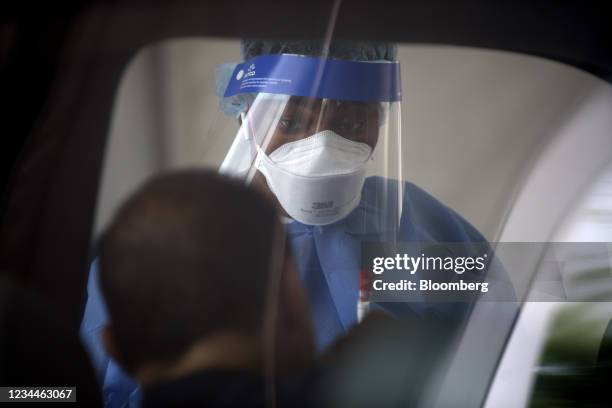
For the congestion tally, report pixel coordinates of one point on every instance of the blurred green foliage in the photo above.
(576, 365)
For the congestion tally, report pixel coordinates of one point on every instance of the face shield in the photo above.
(322, 135)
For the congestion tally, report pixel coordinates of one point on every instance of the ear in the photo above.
(108, 341)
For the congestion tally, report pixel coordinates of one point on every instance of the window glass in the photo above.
(576, 349)
(471, 132)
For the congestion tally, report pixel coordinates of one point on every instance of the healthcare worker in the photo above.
(320, 134)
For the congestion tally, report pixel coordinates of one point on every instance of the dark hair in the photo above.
(186, 255)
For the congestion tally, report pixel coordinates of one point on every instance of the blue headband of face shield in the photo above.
(314, 77)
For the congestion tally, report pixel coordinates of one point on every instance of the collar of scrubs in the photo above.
(338, 245)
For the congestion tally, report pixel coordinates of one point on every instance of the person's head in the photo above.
(189, 259)
(319, 136)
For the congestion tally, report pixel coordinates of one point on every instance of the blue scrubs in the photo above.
(328, 262)
(118, 389)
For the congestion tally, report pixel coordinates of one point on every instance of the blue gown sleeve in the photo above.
(118, 389)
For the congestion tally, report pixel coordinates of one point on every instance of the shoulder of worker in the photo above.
(424, 217)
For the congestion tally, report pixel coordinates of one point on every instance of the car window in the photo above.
(556, 346)
(477, 128)
(573, 358)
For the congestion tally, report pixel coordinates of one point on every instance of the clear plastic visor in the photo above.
(321, 158)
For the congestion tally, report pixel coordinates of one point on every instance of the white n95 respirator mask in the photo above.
(317, 180)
